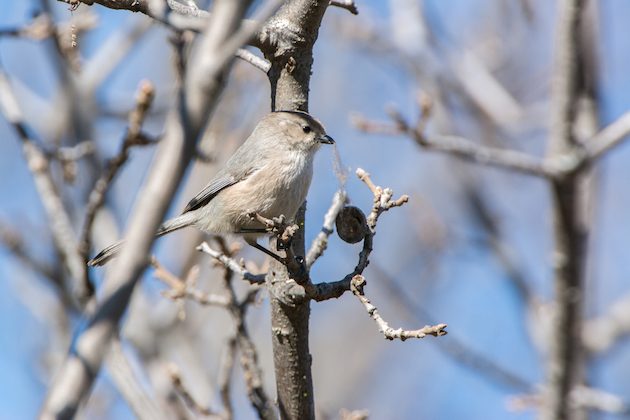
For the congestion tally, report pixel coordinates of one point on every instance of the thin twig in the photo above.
(349, 5)
(197, 102)
(183, 392)
(357, 286)
(463, 147)
(133, 137)
(320, 243)
(607, 139)
(225, 378)
(232, 264)
(382, 202)
(131, 388)
(58, 218)
(251, 58)
(249, 355)
(564, 368)
(180, 289)
(14, 242)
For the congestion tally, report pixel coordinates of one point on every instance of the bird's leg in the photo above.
(284, 234)
(266, 251)
(279, 227)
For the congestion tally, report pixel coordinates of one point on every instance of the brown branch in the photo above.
(249, 355)
(357, 286)
(180, 289)
(225, 378)
(184, 394)
(133, 137)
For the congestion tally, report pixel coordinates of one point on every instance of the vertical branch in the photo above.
(287, 42)
(569, 235)
(198, 98)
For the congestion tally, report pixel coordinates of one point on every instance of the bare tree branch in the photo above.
(143, 405)
(357, 286)
(232, 264)
(382, 202)
(564, 369)
(197, 101)
(180, 289)
(133, 137)
(609, 138)
(462, 147)
(349, 5)
(320, 243)
(251, 58)
(184, 394)
(58, 218)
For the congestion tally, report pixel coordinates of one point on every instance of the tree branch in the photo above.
(58, 219)
(462, 147)
(382, 203)
(357, 286)
(320, 243)
(197, 101)
(609, 138)
(231, 264)
(563, 372)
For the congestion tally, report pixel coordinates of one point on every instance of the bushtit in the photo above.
(269, 174)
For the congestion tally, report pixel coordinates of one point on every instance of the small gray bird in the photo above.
(269, 174)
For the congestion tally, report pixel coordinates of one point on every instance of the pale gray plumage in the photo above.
(269, 174)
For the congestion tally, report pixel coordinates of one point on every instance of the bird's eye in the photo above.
(306, 129)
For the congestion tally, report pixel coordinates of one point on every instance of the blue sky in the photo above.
(468, 289)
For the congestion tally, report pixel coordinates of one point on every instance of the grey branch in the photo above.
(609, 138)
(249, 355)
(382, 203)
(58, 219)
(349, 5)
(357, 285)
(251, 58)
(131, 388)
(225, 377)
(231, 264)
(563, 370)
(462, 147)
(205, 82)
(184, 394)
(320, 243)
(180, 289)
(133, 137)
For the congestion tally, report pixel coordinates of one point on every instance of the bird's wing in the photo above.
(246, 160)
(210, 191)
(225, 178)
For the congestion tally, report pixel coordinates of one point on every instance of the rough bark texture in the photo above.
(287, 42)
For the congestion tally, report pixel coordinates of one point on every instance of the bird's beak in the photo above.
(326, 139)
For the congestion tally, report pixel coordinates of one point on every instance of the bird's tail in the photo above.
(169, 226)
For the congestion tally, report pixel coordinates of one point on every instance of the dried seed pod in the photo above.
(351, 224)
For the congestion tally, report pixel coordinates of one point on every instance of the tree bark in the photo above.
(287, 42)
